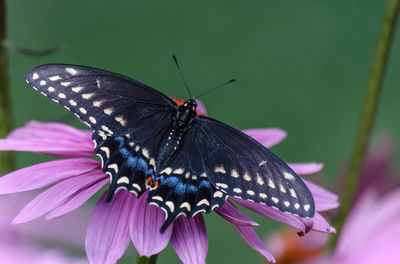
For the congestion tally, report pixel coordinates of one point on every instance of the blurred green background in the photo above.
(300, 65)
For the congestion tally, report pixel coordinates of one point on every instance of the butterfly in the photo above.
(188, 163)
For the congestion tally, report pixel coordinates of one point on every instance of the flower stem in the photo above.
(146, 260)
(374, 88)
(7, 159)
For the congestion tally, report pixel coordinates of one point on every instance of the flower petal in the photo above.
(324, 199)
(254, 241)
(77, 200)
(44, 174)
(321, 225)
(50, 138)
(269, 137)
(145, 224)
(189, 239)
(35, 129)
(107, 236)
(231, 214)
(56, 196)
(200, 107)
(61, 148)
(303, 224)
(306, 168)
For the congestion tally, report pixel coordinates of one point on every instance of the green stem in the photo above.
(374, 88)
(7, 159)
(145, 260)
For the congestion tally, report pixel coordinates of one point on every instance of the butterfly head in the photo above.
(190, 104)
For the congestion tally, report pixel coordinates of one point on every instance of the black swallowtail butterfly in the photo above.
(188, 162)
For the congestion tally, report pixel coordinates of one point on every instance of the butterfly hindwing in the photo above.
(104, 101)
(240, 166)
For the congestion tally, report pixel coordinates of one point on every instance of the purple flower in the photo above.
(113, 225)
(372, 229)
(26, 245)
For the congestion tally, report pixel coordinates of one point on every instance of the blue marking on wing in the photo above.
(171, 181)
(131, 162)
(180, 188)
(192, 189)
(205, 184)
(125, 152)
(142, 165)
(121, 141)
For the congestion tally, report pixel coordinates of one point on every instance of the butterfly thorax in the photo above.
(183, 119)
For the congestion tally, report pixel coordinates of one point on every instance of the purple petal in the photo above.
(303, 224)
(56, 196)
(306, 168)
(200, 107)
(145, 224)
(231, 214)
(254, 241)
(269, 137)
(77, 200)
(61, 148)
(321, 225)
(107, 236)
(35, 129)
(189, 239)
(49, 138)
(44, 174)
(324, 199)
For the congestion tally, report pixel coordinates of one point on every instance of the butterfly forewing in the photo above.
(102, 100)
(239, 166)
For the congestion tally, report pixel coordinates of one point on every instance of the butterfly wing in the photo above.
(239, 166)
(183, 186)
(104, 101)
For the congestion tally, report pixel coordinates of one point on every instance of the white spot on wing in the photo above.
(87, 96)
(108, 111)
(61, 95)
(166, 171)
(92, 119)
(54, 78)
(218, 194)
(250, 192)
(262, 195)
(106, 150)
(113, 166)
(97, 103)
(237, 190)
(51, 89)
(262, 163)
(71, 71)
(234, 174)
(145, 153)
(286, 203)
(293, 193)
(203, 201)
(170, 205)
(220, 169)
(178, 171)
(72, 102)
(288, 176)
(271, 184)
(247, 177)
(76, 89)
(35, 76)
(65, 84)
(222, 185)
(135, 185)
(186, 205)
(82, 110)
(158, 198)
(281, 188)
(42, 82)
(123, 180)
(296, 205)
(306, 207)
(275, 200)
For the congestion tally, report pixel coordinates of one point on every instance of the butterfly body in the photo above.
(188, 163)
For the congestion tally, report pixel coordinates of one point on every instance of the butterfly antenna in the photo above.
(213, 89)
(180, 73)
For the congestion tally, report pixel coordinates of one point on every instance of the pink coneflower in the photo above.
(77, 177)
(372, 229)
